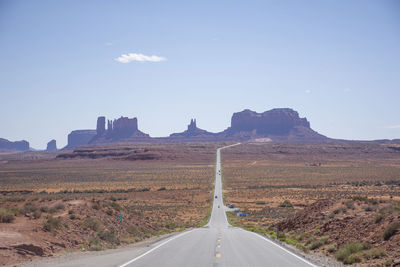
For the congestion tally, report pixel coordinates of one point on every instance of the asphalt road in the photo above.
(216, 244)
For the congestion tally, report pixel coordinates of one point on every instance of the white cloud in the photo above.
(393, 127)
(126, 58)
(307, 91)
(108, 44)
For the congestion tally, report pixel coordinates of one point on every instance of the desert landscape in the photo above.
(200, 133)
(52, 203)
(341, 200)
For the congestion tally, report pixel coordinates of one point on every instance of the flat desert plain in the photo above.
(102, 197)
(341, 200)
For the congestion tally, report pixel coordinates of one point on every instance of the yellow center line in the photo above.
(218, 246)
(218, 255)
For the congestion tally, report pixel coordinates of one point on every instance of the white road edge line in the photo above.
(156, 247)
(288, 251)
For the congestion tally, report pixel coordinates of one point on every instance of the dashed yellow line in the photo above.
(218, 255)
(218, 246)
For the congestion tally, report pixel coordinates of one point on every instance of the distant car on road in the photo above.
(231, 206)
(216, 196)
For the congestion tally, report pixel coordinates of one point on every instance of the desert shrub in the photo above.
(388, 262)
(28, 208)
(260, 202)
(373, 201)
(336, 211)
(96, 206)
(319, 242)
(132, 230)
(52, 224)
(378, 218)
(109, 212)
(109, 236)
(294, 242)
(374, 253)
(391, 230)
(71, 212)
(300, 236)
(161, 188)
(272, 234)
(95, 244)
(349, 204)
(332, 248)
(115, 205)
(72, 216)
(52, 210)
(6, 216)
(353, 258)
(286, 204)
(59, 206)
(369, 208)
(44, 209)
(344, 253)
(37, 214)
(280, 235)
(91, 223)
(359, 198)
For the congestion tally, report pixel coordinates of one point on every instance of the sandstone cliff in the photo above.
(6, 145)
(279, 125)
(52, 145)
(123, 129)
(80, 137)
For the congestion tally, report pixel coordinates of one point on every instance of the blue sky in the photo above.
(335, 62)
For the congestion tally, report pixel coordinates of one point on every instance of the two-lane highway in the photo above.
(216, 244)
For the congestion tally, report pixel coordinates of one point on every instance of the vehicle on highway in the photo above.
(216, 196)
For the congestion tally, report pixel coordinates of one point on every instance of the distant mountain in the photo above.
(6, 145)
(277, 125)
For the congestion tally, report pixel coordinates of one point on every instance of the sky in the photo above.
(64, 63)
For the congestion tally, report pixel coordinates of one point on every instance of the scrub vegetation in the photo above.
(340, 200)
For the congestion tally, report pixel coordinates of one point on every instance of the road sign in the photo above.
(120, 217)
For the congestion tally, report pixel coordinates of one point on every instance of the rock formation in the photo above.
(52, 145)
(80, 137)
(193, 132)
(6, 145)
(276, 125)
(123, 129)
(100, 128)
(280, 124)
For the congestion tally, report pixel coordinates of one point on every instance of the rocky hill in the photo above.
(193, 133)
(6, 145)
